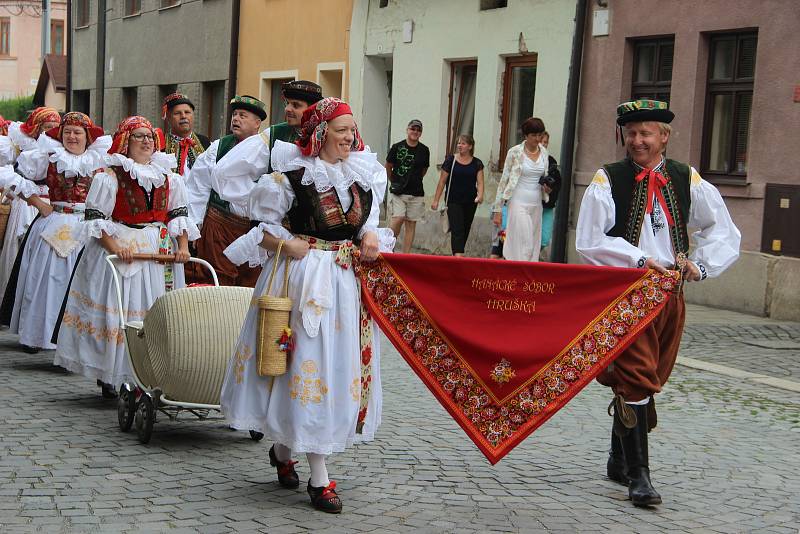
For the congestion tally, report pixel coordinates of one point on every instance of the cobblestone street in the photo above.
(724, 457)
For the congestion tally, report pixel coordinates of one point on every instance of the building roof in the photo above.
(54, 69)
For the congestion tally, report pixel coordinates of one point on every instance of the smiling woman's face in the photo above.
(339, 139)
(141, 145)
(74, 139)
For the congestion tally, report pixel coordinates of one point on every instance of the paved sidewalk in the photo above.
(724, 457)
(754, 344)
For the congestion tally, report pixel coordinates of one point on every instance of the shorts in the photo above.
(407, 206)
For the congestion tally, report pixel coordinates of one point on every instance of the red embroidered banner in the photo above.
(504, 345)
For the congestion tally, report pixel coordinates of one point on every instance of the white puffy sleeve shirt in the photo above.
(716, 239)
(271, 198)
(234, 176)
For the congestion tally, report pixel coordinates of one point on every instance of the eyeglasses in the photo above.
(143, 137)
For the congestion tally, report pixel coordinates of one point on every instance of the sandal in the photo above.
(287, 476)
(325, 498)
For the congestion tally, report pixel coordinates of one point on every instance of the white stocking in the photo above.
(282, 452)
(319, 472)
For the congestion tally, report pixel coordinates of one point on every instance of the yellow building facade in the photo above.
(279, 41)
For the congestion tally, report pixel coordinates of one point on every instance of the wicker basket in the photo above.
(190, 335)
(273, 323)
(5, 211)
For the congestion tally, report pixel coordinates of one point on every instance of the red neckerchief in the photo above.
(186, 143)
(654, 184)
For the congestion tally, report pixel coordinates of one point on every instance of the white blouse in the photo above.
(9, 150)
(716, 240)
(32, 164)
(271, 198)
(102, 194)
(529, 190)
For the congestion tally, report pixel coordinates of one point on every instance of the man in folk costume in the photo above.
(636, 213)
(251, 157)
(177, 112)
(222, 222)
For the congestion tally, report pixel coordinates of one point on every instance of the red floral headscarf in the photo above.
(4, 125)
(123, 134)
(39, 116)
(76, 118)
(314, 125)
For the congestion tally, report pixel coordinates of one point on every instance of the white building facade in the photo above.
(460, 66)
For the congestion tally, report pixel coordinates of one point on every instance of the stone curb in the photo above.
(738, 373)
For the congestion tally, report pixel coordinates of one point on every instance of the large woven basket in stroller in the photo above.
(180, 352)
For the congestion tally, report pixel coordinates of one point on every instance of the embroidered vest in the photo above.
(630, 201)
(63, 189)
(134, 205)
(321, 215)
(225, 145)
(173, 146)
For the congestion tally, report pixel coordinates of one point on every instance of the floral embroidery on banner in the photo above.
(497, 422)
(355, 389)
(243, 354)
(502, 372)
(309, 387)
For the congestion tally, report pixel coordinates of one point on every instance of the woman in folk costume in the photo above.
(8, 152)
(66, 159)
(23, 138)
(137, 204)
(330, 188)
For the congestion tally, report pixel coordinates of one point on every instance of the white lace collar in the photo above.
(359, 168)
(70, 164)
(148, 175)
(20, 138)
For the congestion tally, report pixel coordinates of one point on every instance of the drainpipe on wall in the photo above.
(68, 104)
(559, 252)
(233, 61)
(100, 73)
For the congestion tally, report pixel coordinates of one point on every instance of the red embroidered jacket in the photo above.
(63, 189)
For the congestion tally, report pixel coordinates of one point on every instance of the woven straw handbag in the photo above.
(5, 211)
(274, 335)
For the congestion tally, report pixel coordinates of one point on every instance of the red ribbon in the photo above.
(655, 182)
(186, 143)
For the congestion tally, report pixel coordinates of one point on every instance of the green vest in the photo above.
(225, 145)
(630, 201)
(280, 132)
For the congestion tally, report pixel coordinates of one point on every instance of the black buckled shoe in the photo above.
(325, 498)
(107, 390)
(287, 476)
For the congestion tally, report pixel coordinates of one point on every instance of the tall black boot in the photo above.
(634, 444)
(616, 461)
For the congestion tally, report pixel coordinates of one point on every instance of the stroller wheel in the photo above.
(145, 417)
(126, 408)
(256, 435)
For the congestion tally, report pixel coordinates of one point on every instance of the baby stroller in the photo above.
(179, 352)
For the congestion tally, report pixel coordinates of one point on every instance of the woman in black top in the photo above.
(464, 191)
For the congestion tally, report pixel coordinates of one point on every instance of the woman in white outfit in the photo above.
(149, 215)
(22, 138)
(66, 159)
(523, 188)
(330, 188)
